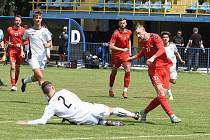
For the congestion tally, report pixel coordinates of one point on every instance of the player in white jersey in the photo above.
(39, 39)
(65, 104)
(172, 53)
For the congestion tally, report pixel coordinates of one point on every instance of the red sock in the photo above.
(13, 82)
(165, 105)
(127, 79)
(111, 80)
(153, 104)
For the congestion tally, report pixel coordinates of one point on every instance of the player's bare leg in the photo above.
(12, 76)
(17, 73)
(169, 92)
(126, 80)
(38, 76)
(111, 81)
(160, 100)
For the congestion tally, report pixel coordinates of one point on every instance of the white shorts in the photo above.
(34, 63)
(173, 72)
(99, 112)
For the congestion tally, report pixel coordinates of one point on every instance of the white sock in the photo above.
(28, 80)
(125, 89)
(102, 122)
(169, 93)
(122, 112)
(110, 89)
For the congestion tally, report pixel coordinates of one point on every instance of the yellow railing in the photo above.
(118, 6)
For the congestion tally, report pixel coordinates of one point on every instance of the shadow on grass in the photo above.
(20, 102)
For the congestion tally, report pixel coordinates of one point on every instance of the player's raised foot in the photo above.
(125, 94)
(13, 88)
(111, 93)
(23, 87)
(143, 116)
(175, 119)
(114, 123)
(137, 116)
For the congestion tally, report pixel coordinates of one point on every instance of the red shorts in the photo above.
(160, 77)
(15, 57)
(117, 62)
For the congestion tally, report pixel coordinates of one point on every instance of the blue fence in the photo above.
(194, 57)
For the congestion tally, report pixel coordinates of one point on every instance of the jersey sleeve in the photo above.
(113, 38)
(159, 44)
(48, 113)
(48, 35)
(175, 48)
(1, 35)
(25, 35)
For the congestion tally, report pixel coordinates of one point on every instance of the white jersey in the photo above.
(66, 104)
(171, 49)
(1, 36)
(37, 39)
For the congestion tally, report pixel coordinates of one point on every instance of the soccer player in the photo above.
(13, 38)
(172, 53)
(65, 104)
(2, 47)
(63, 38)
(39, 39)
(152, 48)
(120, 45)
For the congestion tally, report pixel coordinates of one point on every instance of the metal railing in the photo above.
(102, 51)
(181, 7)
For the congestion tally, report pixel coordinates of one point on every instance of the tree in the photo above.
(14, 7)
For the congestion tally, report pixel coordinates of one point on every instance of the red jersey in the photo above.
(154, 46)
(14, 35)
(121, 40)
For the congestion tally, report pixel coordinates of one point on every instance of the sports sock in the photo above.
(152, 105)
(13, 82)
(125, 89)
(165, 105)
(110, 89)
(127, 79)
(169, 93)
(122, 112)
(102, 122)
(27, 80)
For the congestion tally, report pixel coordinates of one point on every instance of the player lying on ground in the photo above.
(65, 104)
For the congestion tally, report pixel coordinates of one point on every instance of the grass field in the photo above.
(191, 104)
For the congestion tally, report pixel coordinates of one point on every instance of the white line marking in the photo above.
(129, 137)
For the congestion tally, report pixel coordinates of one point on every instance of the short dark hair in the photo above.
(165, 33)
(121, 19)
(37, 12)
(19, 16)
(46, 86)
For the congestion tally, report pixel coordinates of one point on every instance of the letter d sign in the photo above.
(75, 36)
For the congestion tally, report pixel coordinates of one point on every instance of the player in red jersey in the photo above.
(120, 45)
(152, 48)
(13, 38)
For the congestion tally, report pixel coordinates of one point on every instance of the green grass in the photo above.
(191, 104)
